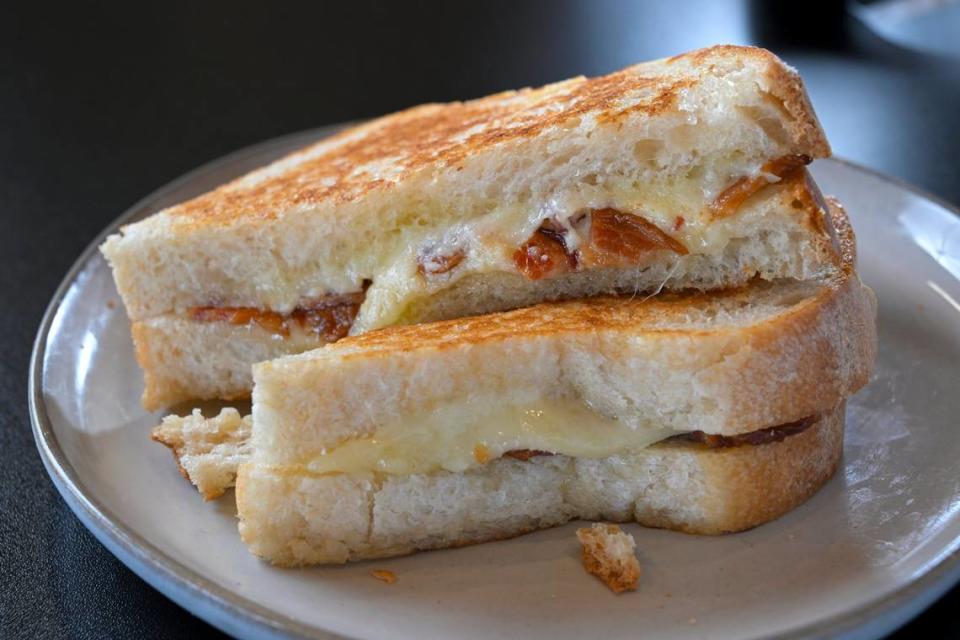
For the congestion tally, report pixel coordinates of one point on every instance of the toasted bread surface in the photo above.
(385, 152)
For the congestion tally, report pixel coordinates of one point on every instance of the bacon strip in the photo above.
(712, 441)
(619, 239)
(733, 196)
(616, 239)
(754, 438)
(525, 454)
(329, 317)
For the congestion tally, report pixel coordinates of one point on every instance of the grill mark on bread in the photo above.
(616, 239)
(439, 136)
(330, 317)
(621, 239)
(737, 193)
(431, 134)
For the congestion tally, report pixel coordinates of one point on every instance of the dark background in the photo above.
(102, 103)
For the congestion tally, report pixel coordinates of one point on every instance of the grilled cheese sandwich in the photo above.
(706, 412)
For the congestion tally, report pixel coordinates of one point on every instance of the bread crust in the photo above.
(184, 360)
(291, 518)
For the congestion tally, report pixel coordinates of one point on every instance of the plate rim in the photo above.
(236, 614)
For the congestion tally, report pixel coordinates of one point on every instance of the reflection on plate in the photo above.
(874, 547)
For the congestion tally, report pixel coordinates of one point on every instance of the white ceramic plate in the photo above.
(873, 548)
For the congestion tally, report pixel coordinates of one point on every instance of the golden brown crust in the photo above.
(174, 444)
(156, 393)
(435, 136)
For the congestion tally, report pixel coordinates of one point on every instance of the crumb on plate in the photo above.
(609, 554)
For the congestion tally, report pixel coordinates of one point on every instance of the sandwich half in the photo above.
(706, 412)
(687, 172)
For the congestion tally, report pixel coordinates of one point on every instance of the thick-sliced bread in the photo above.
(315, 222)
(292, 518)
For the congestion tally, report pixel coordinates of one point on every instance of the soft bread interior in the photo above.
(294, 518)
(187, 360)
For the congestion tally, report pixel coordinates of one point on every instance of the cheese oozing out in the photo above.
(487, 243)
(465, 435)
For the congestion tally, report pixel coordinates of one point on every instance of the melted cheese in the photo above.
(490, 240)
(462, 436)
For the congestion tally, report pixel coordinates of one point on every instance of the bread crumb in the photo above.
(111, 304)
(208, 451)
(608, 553)
(384, 576)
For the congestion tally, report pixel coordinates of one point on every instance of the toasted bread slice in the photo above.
(295, 518)
(678, 173)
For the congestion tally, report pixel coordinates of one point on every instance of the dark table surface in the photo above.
(101, 104)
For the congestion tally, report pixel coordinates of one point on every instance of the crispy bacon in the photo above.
(329, 317)
(545, 254)
(615, 239)
(761, 436)
(736, 194)
(709, 440)
(267, 320)
(619, 239)
(525, 454)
